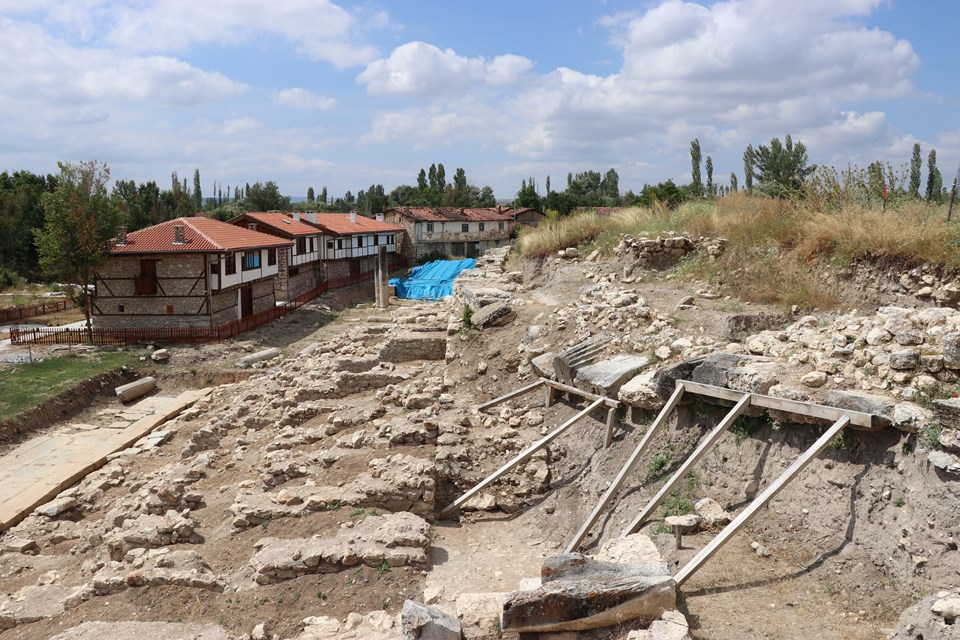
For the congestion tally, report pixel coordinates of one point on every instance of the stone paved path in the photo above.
(42, 467)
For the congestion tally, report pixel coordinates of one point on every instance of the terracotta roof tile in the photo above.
(280, 222)
(201, 235)
(339, 224)
(450, 214)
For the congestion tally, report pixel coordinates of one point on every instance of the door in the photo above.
(246, 302)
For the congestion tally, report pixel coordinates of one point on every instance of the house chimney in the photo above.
(353, 217)
(252, 226)
(311, 216)
(296, 216)
(379, 217)
(121, 236)
(178, 236)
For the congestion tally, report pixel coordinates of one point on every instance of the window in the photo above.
(393, 239)
(429, 227)
(376, 240)
(481, 226)
(251, 260)
(146, 283)
(465, 227)
(120, 308)
(500, 226)
(339, 243)
(359, 241)
(271, 257)
(215, 268)
(330, 244)
(230, 261)
(312, 247)
(293, 271)
(301, 245)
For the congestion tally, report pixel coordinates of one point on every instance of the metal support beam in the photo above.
(523, 455)
(627, 468)
(761, 500)
(694, 458)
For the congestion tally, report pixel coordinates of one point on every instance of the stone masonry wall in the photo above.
(180, 301)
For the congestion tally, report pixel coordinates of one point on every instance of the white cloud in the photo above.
(731, 72)
(319, 29)
(421, 70)
(42, 69)
(302, 99)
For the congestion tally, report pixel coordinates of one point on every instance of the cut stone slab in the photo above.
(497, 314)
(641, 392)
(480, 614)
(947, 411)
(19, 545)
(151, 630)
(579, 593)
(910, 417)
(423, 622)
(686, 524)
(31, 604)
(742, 325)
(543, 365)
(607, 376)
(55, 507)
(881, 406)
(944, 461)
(636, 550)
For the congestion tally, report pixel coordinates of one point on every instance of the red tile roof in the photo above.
(279, 222)
(340, 224)
(450, 214)
(201, 235)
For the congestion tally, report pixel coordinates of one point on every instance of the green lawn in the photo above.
(30, 385)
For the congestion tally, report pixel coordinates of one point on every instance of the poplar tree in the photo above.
(709, 164)
(916, 164)
(748, 160)
(934, 179)
(733, 182)
(695, 158)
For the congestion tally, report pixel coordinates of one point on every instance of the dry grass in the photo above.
(774, 245)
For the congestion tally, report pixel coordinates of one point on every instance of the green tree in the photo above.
(21, 213)
(310, 197)
(323, 195)
(934, 179)
(197, 192)
(666, 193)
(403, 195)
(916, 164)
(695, 158)
(748, 168)
(265, 197)
(733, 182)
(528, 196)
(782, 167)
(610, 187)
(80, 221)
(710, 189)
(486, 198)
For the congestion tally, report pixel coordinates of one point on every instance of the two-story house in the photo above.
(187, 272)
(351, 243)
(300, 267)
(444, 231)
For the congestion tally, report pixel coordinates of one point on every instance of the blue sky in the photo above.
(348, 94)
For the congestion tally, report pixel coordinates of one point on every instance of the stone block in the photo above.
(606, 377)
(947, 411)
(493, 315)
(422, 622)
(579, 593)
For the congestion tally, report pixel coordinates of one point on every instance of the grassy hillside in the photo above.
(772, 243)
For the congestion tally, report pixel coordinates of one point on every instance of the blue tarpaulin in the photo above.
(431, 281)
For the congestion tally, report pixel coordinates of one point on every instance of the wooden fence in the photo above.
(21, 313)
(180, 335)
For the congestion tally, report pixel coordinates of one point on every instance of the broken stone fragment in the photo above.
(493, 315)
(422, 622)
(579, 593)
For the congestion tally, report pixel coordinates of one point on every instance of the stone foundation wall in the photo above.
(405, 347)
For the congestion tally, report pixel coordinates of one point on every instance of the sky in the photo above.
(349, 94)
